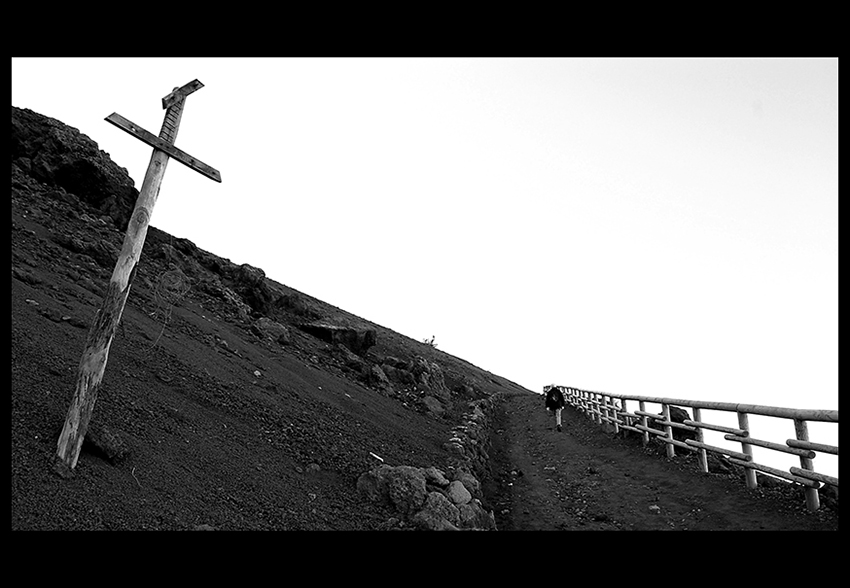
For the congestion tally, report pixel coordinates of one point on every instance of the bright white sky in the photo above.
(661, 227)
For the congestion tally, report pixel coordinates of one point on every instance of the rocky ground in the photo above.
(233, 402)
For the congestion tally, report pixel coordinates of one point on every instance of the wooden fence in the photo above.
(612, 410)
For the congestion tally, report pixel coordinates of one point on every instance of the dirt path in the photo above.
(586, 479)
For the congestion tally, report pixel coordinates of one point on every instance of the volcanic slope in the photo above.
(229, 404)
(229, 401)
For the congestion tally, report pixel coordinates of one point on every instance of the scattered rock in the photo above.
(25, 276)
(429, 376)
(250, 284)
(402, 487)
(76, 321)
(473, 515)
(379, 380)
(101, 440)
(458, 493)
(51, 314)
(435, 477)
(432, 405)
(406, 488)
(437, 514)
(469, 482)
(351, 359)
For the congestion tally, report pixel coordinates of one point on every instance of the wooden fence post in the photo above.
(644, 420)
(665, 410)
(615, 415)
(701, 453)
(623, 410)
(598, 400)
(604, 414)
(812, 497)
(747, 449)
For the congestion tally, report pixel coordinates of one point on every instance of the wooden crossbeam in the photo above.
(157, 143)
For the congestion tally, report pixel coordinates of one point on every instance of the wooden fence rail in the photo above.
(611, 410)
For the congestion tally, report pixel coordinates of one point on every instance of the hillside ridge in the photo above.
(229, 400)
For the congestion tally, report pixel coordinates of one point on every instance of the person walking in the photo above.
(555, 402)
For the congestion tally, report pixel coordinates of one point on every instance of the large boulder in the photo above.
(458, 493)
(402, 487)
(406, 489)
(60, 156)
(429, 376)
(432, 405)
(437, 514)
(435, 477)
(268, 329)
(372, 485)
(357, 340)
(396, 370)
(469, 481)
(250, 284)
(473, 515)
(377, 378)
(679, 415)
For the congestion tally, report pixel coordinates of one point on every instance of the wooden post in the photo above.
(597, 406)
(623, 410)
(644, 420)
(665, 410)
(102, 331)
(617, 415)
(603, 411)
(812, 497)
(702, 456)
(747, 449)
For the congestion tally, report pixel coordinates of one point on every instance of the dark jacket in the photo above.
(555, 398)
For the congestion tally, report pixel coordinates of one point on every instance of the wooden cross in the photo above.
(103, 328)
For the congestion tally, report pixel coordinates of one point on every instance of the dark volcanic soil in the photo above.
(220, 427)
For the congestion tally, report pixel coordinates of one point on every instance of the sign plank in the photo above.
(154, 141)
